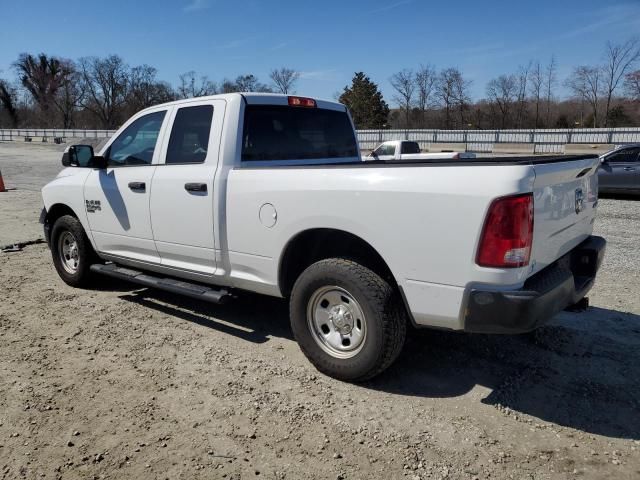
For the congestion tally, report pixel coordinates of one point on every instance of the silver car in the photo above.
(620, 170)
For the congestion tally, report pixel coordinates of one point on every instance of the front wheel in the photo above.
(71, 251)
(349, 322)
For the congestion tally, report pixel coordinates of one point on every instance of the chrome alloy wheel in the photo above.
(336, 322)
(68, 252)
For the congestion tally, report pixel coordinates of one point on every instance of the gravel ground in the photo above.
(120, 382)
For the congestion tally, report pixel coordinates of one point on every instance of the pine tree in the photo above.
(364, 100)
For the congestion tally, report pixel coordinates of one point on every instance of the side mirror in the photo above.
(82, 156)
(77, 156)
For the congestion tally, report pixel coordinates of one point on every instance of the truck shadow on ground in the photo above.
(580, 371)
(620, 196)
(251, 317)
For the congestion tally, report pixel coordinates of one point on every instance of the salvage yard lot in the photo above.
(122, 382)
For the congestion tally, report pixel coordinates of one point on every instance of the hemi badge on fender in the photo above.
(92, 206)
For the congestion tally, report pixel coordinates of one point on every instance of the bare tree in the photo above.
(284, 79)
(585, 83)
(105, 82)
(452, 94)
(228, 86)
(523, 78)
(8, 101)
(192, 86)
(632, 84)
(145, 90)
(425, 80)
(620, 59)
(550, 82)
(503, 92)
(41, 76)
(69, 96)
(250, 83)
(461, 94)
(445, 92)
(536, 83)
(403, 83)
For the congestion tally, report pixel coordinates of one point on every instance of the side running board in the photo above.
(180, 287)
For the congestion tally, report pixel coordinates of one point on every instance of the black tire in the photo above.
(385, 317)
(82, 276)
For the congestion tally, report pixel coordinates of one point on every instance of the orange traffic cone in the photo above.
(2, 188)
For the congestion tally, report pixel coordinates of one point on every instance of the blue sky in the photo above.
(326, 40)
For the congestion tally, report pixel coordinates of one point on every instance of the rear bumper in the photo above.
(546, 293)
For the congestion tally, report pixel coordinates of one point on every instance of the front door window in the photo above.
(136, 144)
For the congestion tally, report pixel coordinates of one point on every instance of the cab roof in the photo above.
(256, 98)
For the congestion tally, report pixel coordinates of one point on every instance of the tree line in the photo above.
(93, 92)
(602, 95)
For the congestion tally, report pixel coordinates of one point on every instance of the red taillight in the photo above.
(508, 233)
(301, 102)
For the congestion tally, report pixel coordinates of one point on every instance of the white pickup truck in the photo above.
(211, 196)
(408, 150)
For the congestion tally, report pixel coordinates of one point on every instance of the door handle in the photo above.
(195, 187)
(629, 169)
(137, 185)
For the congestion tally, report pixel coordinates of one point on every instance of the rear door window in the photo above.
(273, 132)
(189, 138)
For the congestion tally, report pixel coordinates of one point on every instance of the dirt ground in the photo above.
(121, 382)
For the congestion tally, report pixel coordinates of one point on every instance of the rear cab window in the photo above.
(297, 135)
(410, 148)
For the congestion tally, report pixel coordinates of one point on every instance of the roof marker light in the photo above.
(302, 102)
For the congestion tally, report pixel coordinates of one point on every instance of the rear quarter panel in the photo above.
(424, 221)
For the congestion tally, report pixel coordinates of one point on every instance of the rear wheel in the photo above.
(71, 251)
(348, 321)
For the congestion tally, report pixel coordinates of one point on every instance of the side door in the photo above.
(117, 198)
(621, 170)
(630, 173)
(182, 189)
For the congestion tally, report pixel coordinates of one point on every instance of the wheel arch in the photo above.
(58, 210)
(312, 245)
(53, 213)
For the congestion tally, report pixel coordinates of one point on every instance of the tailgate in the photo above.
(565, 196)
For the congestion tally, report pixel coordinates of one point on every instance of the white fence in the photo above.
(47, 134)
(543, 141)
